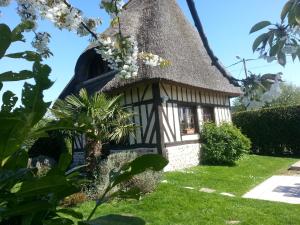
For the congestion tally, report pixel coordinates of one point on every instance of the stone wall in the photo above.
(139, 151)
(183, 156)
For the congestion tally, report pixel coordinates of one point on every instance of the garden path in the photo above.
(277, 188)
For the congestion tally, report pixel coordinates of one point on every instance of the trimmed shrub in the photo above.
(146, 182)
(51, 146)
(273, 131)
(223, 144)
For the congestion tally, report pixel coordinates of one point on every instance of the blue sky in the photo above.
(226, 23)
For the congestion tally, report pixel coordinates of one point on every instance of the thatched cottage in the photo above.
(172, 103)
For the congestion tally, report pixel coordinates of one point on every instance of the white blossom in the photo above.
(40, 43)
(122, 56)
(151, 59)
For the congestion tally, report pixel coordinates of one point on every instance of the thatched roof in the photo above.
(161, 28)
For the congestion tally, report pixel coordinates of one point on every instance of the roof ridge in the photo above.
(200, 29)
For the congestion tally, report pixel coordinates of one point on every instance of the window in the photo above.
(187, 120)
(208, 114)
(97, 67)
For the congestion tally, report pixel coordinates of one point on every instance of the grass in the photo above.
(173, 204)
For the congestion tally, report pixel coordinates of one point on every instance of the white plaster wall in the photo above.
(183, 156)
(222, 115)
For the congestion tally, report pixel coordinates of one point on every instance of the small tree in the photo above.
(289, 96)
(100, 119)
(281, 39)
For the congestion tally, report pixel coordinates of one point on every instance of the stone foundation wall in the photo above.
(139, 151)
(183, 156)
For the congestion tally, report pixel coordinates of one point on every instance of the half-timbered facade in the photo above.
(170, 105)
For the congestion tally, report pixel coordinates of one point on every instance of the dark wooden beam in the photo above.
(158, 117)
(215, 61)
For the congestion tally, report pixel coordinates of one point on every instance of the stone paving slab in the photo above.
(277, 188)
(295, 166)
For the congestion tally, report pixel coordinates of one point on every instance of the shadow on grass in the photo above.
(114, 219)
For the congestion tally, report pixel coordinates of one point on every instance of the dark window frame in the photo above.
(196, 119)
(212, 111)
(97, 67)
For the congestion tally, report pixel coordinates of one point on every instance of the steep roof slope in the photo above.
(160, 27)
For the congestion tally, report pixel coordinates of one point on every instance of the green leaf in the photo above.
(297, 13)
(28, 55)
(271, 38)
(298, 54)
(5, 39)
(262, 39)
(27, 219)
(12, 76)
(55, 184)
(9, 100)
(260, 26)
(8, 178)
(292, 17)
(141, 164)
(294, 56)
(18, 160)
(69, 212)
(56, 221)
(286, 9)
(12, 133)
(64, 161)
(16, 34)
(25, 209)
(281, 57)
(274, 49)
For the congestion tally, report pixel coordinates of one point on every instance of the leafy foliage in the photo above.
(273, 131)
(223, 144)
(282, 39)
(100, 119)
(290, 96)
(26, 197)
(144, 182)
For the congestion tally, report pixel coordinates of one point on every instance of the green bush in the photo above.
(223, 144)
(145, 182)
(53, 145)
(273, 131)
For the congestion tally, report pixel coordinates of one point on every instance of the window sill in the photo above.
(190, 137)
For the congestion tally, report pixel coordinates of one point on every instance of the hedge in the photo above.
(51, 146)
(273, 131)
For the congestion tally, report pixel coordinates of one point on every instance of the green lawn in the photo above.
(173, 204)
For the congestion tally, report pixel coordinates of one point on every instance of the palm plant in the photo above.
(100, 119)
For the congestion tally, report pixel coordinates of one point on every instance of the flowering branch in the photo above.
(120, 52)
